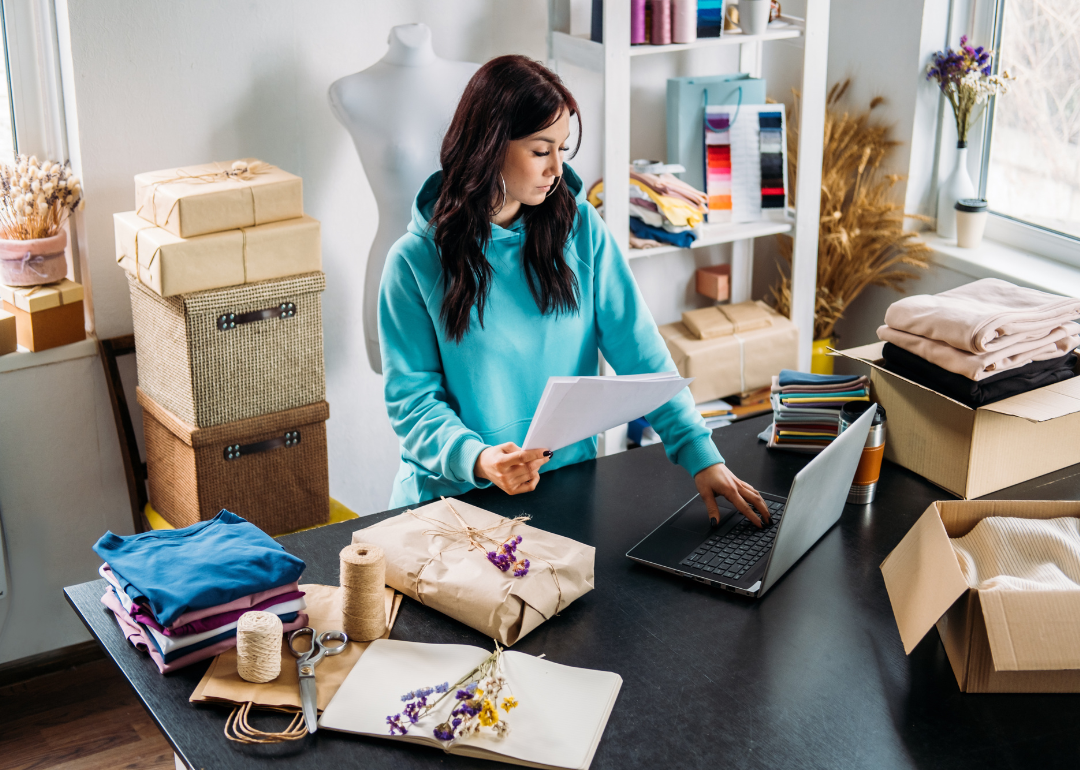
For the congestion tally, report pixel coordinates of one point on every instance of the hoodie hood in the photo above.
(424, 205)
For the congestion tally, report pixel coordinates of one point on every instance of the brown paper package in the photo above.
(445, 573)
(221, 683)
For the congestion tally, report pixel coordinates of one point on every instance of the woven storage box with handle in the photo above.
(218, 356)
(272, 470)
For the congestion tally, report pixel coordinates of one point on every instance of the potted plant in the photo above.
(964, 76)
(861, 239)
(35, 201)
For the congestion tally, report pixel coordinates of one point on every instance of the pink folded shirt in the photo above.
(244, 603)
(979, 366)
(134, 633)
(983, 316)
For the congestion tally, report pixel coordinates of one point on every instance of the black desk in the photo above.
(813, 675)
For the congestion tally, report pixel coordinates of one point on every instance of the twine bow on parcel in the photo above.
(475, 538)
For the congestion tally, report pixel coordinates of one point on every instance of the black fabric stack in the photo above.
(973, 393)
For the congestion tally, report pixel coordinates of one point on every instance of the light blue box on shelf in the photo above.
(686, 116)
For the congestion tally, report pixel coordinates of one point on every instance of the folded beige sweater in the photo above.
(982, 316)
(979, 366)
(1010, 554)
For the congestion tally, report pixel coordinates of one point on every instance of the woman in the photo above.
(508, 276)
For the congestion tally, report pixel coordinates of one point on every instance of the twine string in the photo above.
(475, 537)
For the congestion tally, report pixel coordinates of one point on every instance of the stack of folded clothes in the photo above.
(983, 341)
(663, 209)
(178, 594)
(806, 408)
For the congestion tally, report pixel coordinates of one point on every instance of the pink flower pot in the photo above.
(33, 262)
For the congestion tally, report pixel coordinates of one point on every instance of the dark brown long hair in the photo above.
(509, 98)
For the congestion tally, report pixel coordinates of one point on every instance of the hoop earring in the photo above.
(549, 192)
(503, 204)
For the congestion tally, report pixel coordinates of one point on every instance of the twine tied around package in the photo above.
(239, 171)
(476, 537)
(138, 272)
(258, 647)
(363, 591)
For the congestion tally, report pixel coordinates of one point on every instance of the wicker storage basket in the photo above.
(272, 470)
(222, 355)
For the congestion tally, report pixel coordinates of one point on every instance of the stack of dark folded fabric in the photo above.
(982, 342)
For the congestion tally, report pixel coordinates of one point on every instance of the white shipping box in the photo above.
(973, 452)
(996, 641)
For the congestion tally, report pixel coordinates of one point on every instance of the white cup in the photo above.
(970, 222)
(754, 16)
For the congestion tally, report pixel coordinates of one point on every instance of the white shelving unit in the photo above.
(611, 60)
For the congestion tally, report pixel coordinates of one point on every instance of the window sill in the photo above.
(993, 259)
(24, 359)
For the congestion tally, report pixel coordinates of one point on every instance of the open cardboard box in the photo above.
(996, 641)
(973, 452)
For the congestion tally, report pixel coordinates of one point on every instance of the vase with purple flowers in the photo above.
(966, 78)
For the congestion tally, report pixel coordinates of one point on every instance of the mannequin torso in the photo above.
(397, 111)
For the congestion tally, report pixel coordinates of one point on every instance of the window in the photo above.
(1031, 157)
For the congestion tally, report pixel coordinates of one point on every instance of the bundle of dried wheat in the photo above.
(862, 241)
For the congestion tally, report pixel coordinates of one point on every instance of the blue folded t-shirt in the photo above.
(210, 563)
(792, 377)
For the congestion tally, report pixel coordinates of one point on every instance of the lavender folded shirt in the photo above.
(244, 604)
(135, 634)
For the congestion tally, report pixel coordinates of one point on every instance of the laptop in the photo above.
(736, 555)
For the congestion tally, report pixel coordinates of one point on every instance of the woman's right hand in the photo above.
(509, 467)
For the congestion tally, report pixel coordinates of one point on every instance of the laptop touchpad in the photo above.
(695, 518)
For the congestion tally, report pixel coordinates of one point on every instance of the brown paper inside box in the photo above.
(437, 555)
(211, 197)
(737, 363)
(973, 452)
(221, 683)
(170, 265)
(996, 640)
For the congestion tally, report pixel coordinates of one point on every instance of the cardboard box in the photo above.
(170, 265)
(724, 320)
(46, 316)
(996, 641)
(724, 366)
(213, 197)
(714, 282)
(8, 336)
(973, 452)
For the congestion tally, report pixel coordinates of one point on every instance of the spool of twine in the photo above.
(258, 647)
(363, 579)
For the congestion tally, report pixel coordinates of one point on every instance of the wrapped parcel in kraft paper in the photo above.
(213, 197)
(438, 555)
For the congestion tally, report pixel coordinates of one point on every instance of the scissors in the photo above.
(305, 666)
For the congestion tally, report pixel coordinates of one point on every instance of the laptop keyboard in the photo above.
(732, 554)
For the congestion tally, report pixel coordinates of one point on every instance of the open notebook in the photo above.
(543, 732)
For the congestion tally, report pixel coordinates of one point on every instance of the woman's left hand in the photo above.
(718, 479)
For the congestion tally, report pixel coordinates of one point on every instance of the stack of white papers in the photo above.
(575, 408)
(558, 723)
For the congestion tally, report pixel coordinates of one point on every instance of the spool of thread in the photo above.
(363, 580)
(661, 22)
(258, 647)
(683, 21)
(637, 23)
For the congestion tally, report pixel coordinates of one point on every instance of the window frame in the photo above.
(987, 23)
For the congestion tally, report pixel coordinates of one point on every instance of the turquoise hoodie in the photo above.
(449, 401)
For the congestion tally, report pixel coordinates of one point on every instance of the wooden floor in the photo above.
(84, 718)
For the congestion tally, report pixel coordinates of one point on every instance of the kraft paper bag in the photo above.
(221, 683)
(437, 555)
